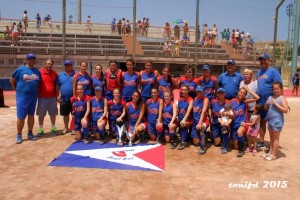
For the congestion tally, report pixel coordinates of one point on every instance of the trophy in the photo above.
(129, 134)
(120, 127)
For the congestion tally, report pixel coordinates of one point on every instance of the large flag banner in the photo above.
(110, 156)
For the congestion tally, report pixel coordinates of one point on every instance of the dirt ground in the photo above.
(25, 174)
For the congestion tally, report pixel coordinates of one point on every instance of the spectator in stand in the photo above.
(224, 35)
(119, 27)
(88, 24)
(296, 80)
(205, 32)
(38, 22)
(70, 19)
(186, 29)
(167, 32)
(113, 25)
(146, 27)
(25, 81)
(214, 33)
(7, 32)
(47, 20)
(64, 91)
(20, 27)
(230, 80)
(14, 34)
(47, 97)
(228, 36)
(128, 28)
(25, 20)
(176, 33)
(123, 26)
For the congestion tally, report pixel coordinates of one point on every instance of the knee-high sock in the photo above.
(183, 134)
(225, 140)
(85, 132)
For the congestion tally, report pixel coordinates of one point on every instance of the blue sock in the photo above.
(202, 140)
(225, 140)
(85, 132)
(101, 132)
(183, 134)
(241, 139)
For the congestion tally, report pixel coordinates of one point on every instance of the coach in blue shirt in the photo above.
(230, 80)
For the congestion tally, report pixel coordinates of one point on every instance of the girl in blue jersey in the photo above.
(80, 111)
(277, 105)
(135, 114)
(131, 80)
(98, 79)
(240, 108)
(99, 112)
(185, 116)
(200, 119)
(165, 82)
(209, 82)
(83, 78)
(169, 115)
(148, 80)
(154, 110)
(216, 106)
(116, 111)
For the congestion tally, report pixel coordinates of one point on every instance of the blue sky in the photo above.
(247, 15)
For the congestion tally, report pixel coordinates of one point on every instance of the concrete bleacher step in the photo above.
(229, 51)
(128, 41)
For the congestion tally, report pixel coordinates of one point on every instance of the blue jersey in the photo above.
(79, 106)
(84, 80)
(191, 83)
(209, 86)
(216, 106)
(265, 78)
(130, 84)
(147, 82)
(164, 86)
(197, 110)
(98, 82)
(97, 107)
(64, 81)
(239, 111)
(230, 83)
(167, 113)
(133, 114)
(183, 105)
(152, 109)
(115, 109)
(27, 81)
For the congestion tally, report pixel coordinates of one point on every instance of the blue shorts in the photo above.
(77, 124)
(46, 105)
(216, 131)
(25, 106)
(151, 129)
(275, 125)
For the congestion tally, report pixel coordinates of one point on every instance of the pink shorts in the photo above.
(253, 132)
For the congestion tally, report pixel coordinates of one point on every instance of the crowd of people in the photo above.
(231, 107)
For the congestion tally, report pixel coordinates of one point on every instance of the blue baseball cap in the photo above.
(30, 55)
(231, 61)
(98, 88)
(200, 88)
(264, 56)
(68, 62)
(221, 90)
(206, 67)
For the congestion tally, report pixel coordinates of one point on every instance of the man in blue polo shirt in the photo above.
(230, 80)
(64, 91)
(25, 81)
(266, 76)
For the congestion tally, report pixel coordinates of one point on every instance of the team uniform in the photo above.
(84, 80)
(152, 115)
(197, 111)
(265, 78)
(230, 83)
(148, 81)
(183, 105)
(191, 83)
(167, 114)
(164, 86)
(133, 115)
(79, 109)
(113, 81)
(98, 82)
(130, 85)
(240, 115)
(27, 80)
(209, 86)
(216, 107)
(114, 111)
(97, 108)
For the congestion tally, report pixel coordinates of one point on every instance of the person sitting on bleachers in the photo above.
(7, 32)
(47, 20)
(167, 48)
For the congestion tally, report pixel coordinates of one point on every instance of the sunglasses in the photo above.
(188, 71)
